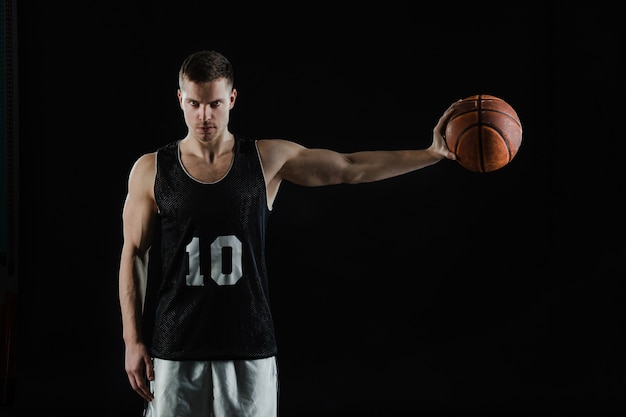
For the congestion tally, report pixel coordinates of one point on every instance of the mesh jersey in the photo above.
(213, 300)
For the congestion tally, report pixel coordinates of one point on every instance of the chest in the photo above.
(208, 171)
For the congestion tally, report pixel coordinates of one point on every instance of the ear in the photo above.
(233, 98)
(179, 94)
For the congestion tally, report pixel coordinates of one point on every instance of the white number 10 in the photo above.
(225, 255)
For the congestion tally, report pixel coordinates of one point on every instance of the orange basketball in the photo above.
(484, 132)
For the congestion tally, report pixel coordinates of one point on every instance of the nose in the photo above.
(205, 113)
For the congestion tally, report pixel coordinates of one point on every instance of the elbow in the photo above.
(355, 178)
(352, 172)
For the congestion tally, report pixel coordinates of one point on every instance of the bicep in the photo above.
(139, 210)
(316, 167)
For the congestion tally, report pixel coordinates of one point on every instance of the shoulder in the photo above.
(144, 166)
(278, 147)
(276, 155)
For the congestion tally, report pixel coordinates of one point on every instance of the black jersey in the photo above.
(213, 300)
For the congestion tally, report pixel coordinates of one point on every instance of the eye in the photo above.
(216, 103)
(193, 103)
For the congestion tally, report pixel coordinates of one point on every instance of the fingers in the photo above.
(141, 386)
(443, 120)
(446, 114)
(149, 369)
(140, 381)
(451, 108)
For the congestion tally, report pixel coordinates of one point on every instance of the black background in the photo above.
(441, 290)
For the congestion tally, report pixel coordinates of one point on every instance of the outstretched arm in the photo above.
(315, 167)
(138, 218)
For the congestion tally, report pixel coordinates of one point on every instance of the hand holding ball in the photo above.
(484, 132)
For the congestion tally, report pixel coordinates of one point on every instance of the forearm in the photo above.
(132, 288)
(316, 167)
(369, 166)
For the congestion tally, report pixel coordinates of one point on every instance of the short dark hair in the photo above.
(205, 66)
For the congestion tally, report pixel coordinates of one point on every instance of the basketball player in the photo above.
(213, 352)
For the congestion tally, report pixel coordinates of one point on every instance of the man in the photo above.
(213, 352)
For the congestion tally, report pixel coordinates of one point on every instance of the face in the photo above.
(206, 108)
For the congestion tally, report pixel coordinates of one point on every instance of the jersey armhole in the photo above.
(156, 168)
(258, 154)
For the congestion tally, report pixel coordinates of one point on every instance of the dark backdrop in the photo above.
(442, 290)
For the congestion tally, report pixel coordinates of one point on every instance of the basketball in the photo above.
(484, 132)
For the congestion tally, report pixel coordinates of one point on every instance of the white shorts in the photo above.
(214, 388)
